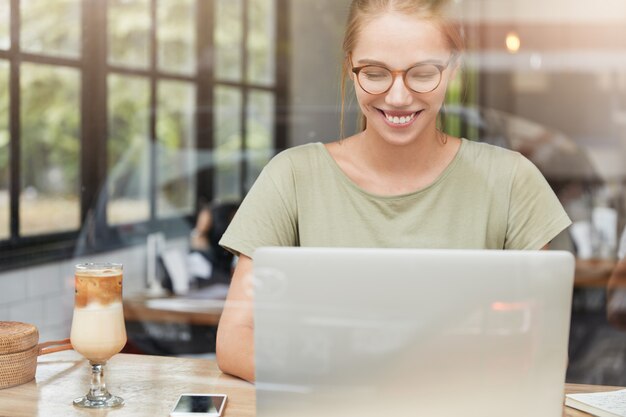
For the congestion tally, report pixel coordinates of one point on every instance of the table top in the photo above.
(150, 386)
(173, 310)
(593, 272)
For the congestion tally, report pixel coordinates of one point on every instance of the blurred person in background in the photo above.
(208, 262)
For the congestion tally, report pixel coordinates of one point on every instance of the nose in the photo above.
(398, 95)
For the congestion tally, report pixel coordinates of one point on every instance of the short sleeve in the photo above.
(535, 215)
(268, 214)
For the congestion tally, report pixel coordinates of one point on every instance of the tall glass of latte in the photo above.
(98, 330)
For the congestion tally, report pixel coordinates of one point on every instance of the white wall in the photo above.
(44, 295)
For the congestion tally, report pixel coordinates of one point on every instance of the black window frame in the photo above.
(95, 234)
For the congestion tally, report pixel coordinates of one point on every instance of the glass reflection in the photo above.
(557, 94)
(128, 149)
(176, 137)
(259, 133)
(228, 142)
(50, 148)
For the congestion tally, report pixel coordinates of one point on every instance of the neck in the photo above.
(385, 168)
(417, 157)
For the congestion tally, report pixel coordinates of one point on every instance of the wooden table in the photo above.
(149, 384)
(593, 272)
(192, 311)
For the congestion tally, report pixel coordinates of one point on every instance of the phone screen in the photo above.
(200, 403)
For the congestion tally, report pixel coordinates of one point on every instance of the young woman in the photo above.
(398, 183)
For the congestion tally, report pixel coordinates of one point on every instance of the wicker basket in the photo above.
(19, 351)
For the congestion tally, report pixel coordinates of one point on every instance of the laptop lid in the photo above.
(410, 332)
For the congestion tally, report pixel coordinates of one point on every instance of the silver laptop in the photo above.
(408, 332)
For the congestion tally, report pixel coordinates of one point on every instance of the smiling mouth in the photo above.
(399, 120)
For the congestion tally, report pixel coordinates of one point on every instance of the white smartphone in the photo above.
(199, 405)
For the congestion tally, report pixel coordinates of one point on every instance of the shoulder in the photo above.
(505, 167)
(495, 167)
(300, 152)
(297, 155)
(484, 156)
(297, 161)
(484, 150)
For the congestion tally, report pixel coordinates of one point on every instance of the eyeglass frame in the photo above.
(395, 73)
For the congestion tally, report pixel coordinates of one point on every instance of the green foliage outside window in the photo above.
(5, 14)
(49, 148)
(42, 32)
(260, 42)
(50, 126)
(228, 36)
(177, 36)
(176, 143)
(462, 93)
(129, 33)
(128, 149)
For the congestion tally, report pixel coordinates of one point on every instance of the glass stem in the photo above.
(98, 389)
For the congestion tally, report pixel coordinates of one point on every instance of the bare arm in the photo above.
(235, 333)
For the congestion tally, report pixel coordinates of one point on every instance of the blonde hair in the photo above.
(363, 11)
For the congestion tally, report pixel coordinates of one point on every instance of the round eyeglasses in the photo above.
(421, 78)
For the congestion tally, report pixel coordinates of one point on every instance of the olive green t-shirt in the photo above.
(487, 198)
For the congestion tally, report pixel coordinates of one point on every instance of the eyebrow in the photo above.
(382, 64)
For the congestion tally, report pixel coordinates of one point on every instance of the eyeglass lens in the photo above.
(421, 78)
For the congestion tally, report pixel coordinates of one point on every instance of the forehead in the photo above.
(397, 39)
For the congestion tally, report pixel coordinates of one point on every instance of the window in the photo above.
(49, 149)
(246, 84)
(5, 40)
(123, 114)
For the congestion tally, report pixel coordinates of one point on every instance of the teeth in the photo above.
(400, 120)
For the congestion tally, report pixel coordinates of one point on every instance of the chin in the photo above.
(395, 136)
(395, 139)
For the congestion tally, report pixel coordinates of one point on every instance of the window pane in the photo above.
(177, 36)
(176, 150)
(228, 39)
(50, 149)
(228, 102)
(260, 132)
(4, 150)
(261, 41)
(5, 16)
(42, 31)
(129, 33)
(128, 149)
